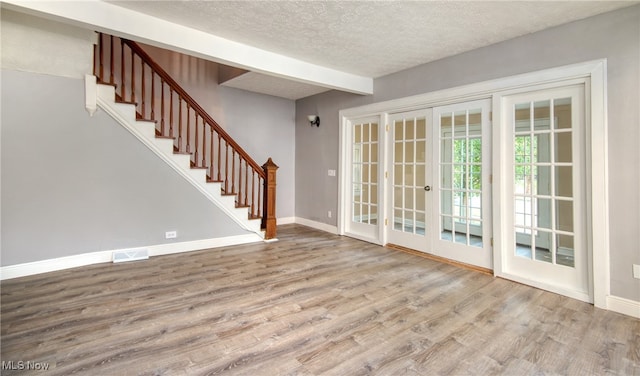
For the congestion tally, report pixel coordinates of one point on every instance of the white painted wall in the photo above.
(38, 45)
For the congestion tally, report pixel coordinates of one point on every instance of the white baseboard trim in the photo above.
(286, 220)
(84, 259)
(52, 265)
(317, 225)
(197, 245)
(624, 306)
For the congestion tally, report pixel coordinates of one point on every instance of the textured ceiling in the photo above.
(261, 83)
(369, 38)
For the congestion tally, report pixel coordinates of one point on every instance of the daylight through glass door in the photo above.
(545, 140)
(462, 183)
(409, 158)
(461, 177)
(543, 186)
(365, 173)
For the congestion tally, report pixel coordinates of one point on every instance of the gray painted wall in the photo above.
(73, 184)
(126, 197)
(262, 124)
(615, 36)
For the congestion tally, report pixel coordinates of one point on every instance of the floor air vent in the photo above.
(131, 255)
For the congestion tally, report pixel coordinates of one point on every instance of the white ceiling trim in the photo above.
(127, 23)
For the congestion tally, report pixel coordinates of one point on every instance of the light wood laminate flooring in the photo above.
(310, 304)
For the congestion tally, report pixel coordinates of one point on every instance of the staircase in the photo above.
(144, 99)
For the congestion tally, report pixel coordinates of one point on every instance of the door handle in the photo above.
(427, 188)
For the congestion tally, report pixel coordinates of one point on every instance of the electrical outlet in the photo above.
(329, 213)
(170, 235)
(636, 271)
(332, 172)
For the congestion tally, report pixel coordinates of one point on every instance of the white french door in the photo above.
(530, 183)
(409, 180)
(439, 187)
(363, 210)
(544, 145)
(462, 182)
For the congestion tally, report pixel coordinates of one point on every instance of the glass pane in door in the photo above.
(364, 156)
(543, 191)
(461, 177)
(409, 162)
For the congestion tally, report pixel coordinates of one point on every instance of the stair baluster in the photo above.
(119, 68)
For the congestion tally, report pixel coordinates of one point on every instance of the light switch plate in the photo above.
(636, 271)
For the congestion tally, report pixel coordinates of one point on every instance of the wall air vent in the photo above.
(130, 255)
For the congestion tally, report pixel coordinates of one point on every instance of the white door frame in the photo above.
(593, 75)
(346, 226)
(568, 281)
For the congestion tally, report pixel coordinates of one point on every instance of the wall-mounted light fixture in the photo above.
(314, 120)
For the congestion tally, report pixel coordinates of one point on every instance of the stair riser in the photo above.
(145, 131)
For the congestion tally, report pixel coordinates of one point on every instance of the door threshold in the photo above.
(439, 259)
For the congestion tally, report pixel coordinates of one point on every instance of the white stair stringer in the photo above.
(145, 131)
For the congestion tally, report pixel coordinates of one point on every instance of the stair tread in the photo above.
(140, 118)
(126, 102)
(179, 146)
(99, 81)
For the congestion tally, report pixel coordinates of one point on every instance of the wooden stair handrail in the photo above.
(193, 130)
(187, 98)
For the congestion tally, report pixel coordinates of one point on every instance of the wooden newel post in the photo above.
(269, 216)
